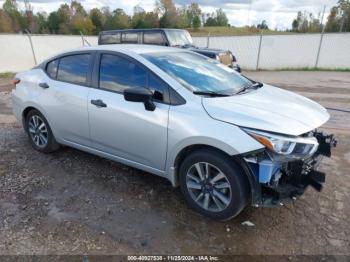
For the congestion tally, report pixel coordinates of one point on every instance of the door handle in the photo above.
(44, 85)
(98, 103)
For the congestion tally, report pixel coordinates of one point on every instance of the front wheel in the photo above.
(213, 184)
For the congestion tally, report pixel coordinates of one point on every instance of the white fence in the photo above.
(253, 52)
(331, 51)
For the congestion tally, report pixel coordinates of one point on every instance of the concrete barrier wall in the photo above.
(285, 51)
(276, 51)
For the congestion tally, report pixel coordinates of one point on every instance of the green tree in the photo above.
(53, 22)
(151, 20)
(344, 15)
(64, 14)
(193, 13)
(183, 20)
(118, 20)
(77, 9)
(263, 25)
(17, 20)
(221, 18)
(82, 24)
(42, 23)
(211, 21)
(97, 19)
(196, 22)
(218, 18)
(5, 22)
(167, 12)
(306, 22)
(333, 21)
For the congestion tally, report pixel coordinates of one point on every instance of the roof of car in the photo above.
(125, 48)
(139, 30)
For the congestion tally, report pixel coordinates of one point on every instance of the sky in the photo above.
(278, 13)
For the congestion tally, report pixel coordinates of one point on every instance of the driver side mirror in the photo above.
(141, 95)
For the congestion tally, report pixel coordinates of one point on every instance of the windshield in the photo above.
(179, 37)
(198, 73)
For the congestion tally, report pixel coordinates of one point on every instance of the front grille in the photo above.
(225, 59)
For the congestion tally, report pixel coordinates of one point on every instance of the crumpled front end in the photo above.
(280, 179)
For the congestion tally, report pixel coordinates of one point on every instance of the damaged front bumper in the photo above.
(277, 181)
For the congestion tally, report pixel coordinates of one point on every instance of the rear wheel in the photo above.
(40, 133)
(213, 184)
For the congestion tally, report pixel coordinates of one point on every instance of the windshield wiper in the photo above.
(255, 85)
(209, 93)
(258, 85)
(184, 46)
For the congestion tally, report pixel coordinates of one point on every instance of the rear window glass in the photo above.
(51, 68)
(129, 37)
(74, 68)
(110, 39)
(153, 38)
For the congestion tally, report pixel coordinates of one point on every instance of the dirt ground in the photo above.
(71, 202)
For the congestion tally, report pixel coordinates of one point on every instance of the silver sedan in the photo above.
(227, 140)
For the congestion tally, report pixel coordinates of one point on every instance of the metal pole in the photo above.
(321, 40)
(31, 45)
(322, 25)
(342, 23)
(83, 39)
(208, 38)
(258, 58)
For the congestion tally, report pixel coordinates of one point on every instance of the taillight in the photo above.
(15, 81)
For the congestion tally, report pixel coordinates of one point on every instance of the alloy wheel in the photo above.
(38, 131)
(209, 187)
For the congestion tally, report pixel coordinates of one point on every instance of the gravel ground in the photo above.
(71, 202)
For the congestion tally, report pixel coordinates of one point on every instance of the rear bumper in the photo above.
(289, 180)
(16, 106)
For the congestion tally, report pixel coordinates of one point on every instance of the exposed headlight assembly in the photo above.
(286, 146)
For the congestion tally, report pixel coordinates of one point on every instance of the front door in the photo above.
(126, 129)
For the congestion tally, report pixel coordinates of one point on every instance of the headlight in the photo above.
(292, 147)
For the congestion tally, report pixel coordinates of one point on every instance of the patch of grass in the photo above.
(7, 75)
(229, 31)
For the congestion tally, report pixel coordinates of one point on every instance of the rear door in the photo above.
(65, 96)
(122, 128)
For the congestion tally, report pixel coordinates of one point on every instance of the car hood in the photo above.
(270, 109)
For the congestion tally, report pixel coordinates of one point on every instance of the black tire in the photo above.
(238, 183)
(51, 145)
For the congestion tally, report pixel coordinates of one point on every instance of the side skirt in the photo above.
(116, 159)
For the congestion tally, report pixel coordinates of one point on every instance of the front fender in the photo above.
(198, 128)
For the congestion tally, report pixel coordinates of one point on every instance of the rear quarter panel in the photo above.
(27, 91)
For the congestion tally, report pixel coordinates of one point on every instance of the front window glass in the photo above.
(198, 73)
(179, 38)
(153, 38)
(118, 73)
